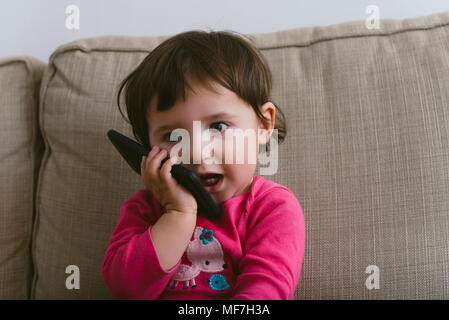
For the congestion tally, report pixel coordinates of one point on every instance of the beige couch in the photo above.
(366, 153)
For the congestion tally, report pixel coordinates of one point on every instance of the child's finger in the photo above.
(142, 163)
(153, 152)
(153, 165)
(156, 160)
(166, 174)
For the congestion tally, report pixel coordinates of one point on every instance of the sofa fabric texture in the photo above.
(366, 155)
(20, 155)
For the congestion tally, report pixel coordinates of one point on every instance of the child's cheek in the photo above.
(230, 149)
(235, 148)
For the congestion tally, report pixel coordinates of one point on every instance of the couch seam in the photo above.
(33, 150)
(355, 36)
(82, 48)
(47, 76)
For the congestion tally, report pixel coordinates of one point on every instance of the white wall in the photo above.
(37, 27)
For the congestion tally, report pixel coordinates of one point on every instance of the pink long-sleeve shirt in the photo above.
(254, 251)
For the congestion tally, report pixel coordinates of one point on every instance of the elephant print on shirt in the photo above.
(206, 255)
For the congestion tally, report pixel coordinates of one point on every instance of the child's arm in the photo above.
(132, 268)
(171, 234)
(274, 248)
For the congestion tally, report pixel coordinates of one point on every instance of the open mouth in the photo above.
(209, 180)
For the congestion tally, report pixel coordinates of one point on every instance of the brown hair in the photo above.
(220, 56)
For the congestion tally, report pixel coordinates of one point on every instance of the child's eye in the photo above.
(219, 125)
(216, 125)
(166, 137)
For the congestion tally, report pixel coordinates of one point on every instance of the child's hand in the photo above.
(172, 196)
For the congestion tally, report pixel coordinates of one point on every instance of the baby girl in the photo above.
(162, 248)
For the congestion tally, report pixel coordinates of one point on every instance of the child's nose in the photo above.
(198, 151)
(206, 151)
(202, 149)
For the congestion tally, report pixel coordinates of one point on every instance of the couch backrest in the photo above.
(366, 155)
(21, 150)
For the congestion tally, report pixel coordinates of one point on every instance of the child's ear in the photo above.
(266, 127)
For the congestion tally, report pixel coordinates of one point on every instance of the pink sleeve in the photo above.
(131, 268)
(274, 249)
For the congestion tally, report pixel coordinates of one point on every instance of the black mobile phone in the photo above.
(133, 152)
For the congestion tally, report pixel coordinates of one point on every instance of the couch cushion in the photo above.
(366, 154)
(21, 150)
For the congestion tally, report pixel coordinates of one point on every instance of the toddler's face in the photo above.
(222, 112)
